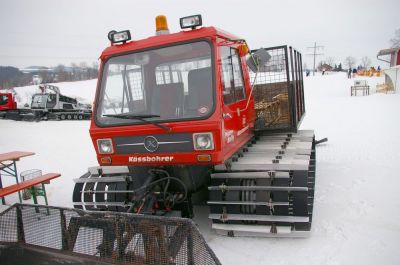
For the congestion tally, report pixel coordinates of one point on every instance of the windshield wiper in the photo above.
(140, 118)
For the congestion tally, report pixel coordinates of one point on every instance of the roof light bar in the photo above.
(191, 22)
(118, 37)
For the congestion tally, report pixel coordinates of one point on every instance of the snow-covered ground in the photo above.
(357, 204)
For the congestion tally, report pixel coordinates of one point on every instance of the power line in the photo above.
(315, 54)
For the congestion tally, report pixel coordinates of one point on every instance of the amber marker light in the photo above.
(243, 50)
(105, 160)
(204, 158)
(161, 25)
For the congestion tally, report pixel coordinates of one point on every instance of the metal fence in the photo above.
(98, 237)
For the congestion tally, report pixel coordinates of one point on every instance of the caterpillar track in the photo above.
(39, 115)
(267, 189)
(103, 188)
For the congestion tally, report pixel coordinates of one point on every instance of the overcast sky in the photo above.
(49, 32)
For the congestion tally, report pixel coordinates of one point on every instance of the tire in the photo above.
(80, 117)
(62, 116)
(69, 117)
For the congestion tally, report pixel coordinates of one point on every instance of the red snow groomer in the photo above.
(195, 116)
(7, 101)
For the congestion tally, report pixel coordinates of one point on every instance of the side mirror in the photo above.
(259, 59)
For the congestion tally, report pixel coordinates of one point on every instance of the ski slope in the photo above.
(357, 202)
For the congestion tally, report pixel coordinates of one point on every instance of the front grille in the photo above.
(166, 143)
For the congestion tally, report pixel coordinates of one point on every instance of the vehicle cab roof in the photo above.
(161, 40)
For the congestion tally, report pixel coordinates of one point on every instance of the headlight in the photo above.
(105, 146)
(191, 22)
(203, 141)
(118, 37)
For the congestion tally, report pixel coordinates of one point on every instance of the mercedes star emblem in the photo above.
(151, 144)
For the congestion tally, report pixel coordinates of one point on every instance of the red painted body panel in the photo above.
(10, 104)
(229, 134)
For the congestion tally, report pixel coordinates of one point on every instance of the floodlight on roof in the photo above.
(191, 22)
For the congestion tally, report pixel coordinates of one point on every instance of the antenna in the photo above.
(315, 54)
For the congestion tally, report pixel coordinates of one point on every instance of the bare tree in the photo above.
(74, 71)
(365, 62)
(396, 40)
(350, 61)
(95, 65)
(83, 65)
(62, 74)
(94, 70)
(45, 76)
(84, 70)
(330, 61)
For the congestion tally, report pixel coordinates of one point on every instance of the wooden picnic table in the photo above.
(14, 156)
(8, 166)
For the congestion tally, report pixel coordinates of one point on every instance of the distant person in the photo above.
(379, 68)
(349, 74)
(307, 72)
(323, 71)
(354, 72)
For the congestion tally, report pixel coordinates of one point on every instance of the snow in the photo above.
(357, 203)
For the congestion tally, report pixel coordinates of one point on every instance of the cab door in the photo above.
(236, 119)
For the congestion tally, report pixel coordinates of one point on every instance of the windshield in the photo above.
(165, 84)
(3, 99)
(44, 101)
(39, 101)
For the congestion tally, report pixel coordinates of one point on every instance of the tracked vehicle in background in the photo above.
(49, 104)
(181, 118)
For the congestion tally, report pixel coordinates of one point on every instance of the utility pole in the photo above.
(315, 54)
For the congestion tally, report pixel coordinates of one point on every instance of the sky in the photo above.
(52, 32)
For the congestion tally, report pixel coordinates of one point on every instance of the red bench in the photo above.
(28, 184)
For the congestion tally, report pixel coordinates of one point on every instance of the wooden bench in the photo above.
(30, 183)
(360, 85)
(384, 88)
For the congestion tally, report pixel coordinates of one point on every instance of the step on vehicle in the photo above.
(193, 116)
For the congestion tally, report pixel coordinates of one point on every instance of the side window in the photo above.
(227, 75)
(4, 99)
(232, 78)
(238, 77)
